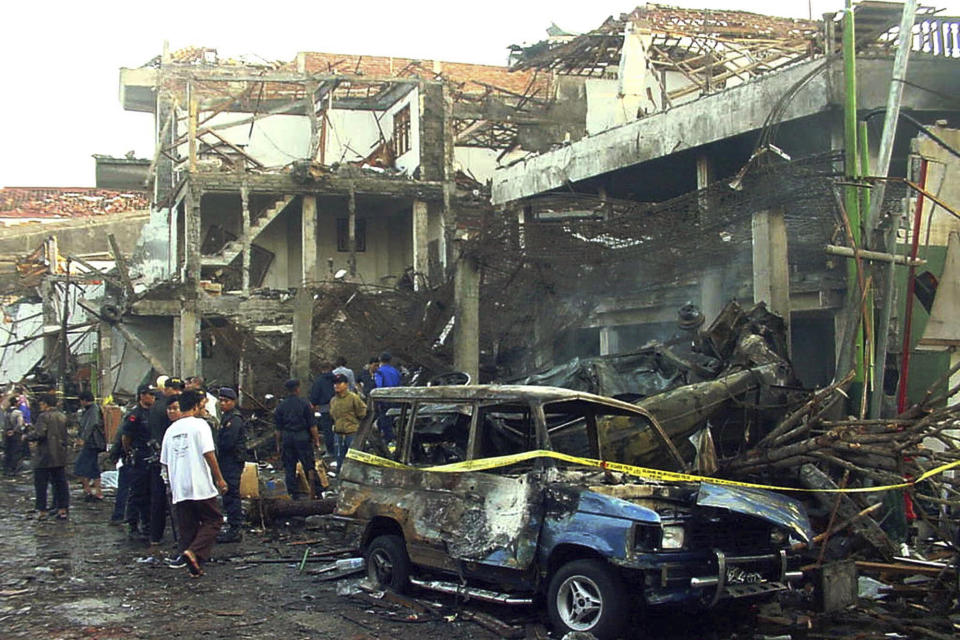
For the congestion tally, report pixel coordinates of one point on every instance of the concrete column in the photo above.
(308, 239)
(105, 360)
(190, 339)
(245, 238)
(609, 341)
(191, 240)
(420, 219)
(771, 270)
(466, 292)
(712, 296)
(302, 338)
(51, 322)
(177, 360)
(189, 314)
(302, 334)
(352, 229)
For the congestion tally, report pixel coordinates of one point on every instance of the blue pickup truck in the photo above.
(513, 494)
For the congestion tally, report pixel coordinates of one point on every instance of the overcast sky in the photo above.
(59, 102)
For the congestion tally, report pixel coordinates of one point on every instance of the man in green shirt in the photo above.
(347, 410)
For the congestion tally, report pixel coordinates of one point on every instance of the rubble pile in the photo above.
(870, 452)
(877, 490)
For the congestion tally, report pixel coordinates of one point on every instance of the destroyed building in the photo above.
(708, 171)
(499, 220)
(273, 181)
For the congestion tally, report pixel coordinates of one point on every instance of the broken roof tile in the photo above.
(68, 202)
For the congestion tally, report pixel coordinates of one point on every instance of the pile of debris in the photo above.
(882, 492)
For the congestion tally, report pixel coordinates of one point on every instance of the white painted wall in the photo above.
(353, 135)
(274, 141)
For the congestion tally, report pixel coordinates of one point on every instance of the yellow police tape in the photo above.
(484, 464)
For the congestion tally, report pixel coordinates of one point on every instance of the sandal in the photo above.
(193, 564)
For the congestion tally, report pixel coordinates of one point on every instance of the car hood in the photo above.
(603, 505)
(775, 508)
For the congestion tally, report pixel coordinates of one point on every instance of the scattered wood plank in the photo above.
(901, 568)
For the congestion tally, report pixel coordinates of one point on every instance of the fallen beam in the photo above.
(877, 256)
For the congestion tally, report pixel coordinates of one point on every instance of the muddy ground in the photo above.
(84, 579)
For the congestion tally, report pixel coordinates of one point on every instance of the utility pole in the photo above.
(888, 242)
(850, 354)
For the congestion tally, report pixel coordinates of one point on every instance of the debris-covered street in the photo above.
(84, 579)
(648, 328)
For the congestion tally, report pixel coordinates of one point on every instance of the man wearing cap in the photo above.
(232, 449)
(386, 376)
(347, 410)
(296, 437)
(135, 438)
(159, 421)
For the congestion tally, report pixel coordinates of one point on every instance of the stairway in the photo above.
(232, 249)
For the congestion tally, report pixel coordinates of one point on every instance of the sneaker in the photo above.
(178, 562)
(134, 533)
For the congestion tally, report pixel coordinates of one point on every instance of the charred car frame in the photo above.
(471, 499)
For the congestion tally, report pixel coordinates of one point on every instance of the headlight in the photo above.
(778, 537)
(672, 537)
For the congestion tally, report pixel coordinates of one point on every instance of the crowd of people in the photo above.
(180, 450)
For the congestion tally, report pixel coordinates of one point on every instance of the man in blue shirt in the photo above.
(386, 376)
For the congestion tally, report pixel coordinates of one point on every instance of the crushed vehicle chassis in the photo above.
(494, 491)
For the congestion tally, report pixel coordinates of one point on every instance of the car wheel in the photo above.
(588, 596)
(387, 563)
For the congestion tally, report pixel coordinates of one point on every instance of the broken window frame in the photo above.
(359, 235)
(402, 131)
(410, 430)
(588, 415)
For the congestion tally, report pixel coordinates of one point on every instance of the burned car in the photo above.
(512, 494)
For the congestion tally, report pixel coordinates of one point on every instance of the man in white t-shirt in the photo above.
(191, 469)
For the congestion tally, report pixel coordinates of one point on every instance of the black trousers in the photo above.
(232, 505)
(296, 448)
(158, 504)
(138, 500)
(56, 476)
(12, 451)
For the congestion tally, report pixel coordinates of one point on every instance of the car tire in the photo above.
(588, 596)
(387, 563)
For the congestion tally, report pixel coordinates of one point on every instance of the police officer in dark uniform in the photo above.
(159, 422)
(232, 450)
(137, 453)
(296, 437)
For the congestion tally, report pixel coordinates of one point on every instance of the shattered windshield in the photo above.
(594, 430)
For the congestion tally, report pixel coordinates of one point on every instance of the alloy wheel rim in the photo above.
(579, 603)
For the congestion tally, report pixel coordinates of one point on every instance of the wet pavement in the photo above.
(83, 579)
